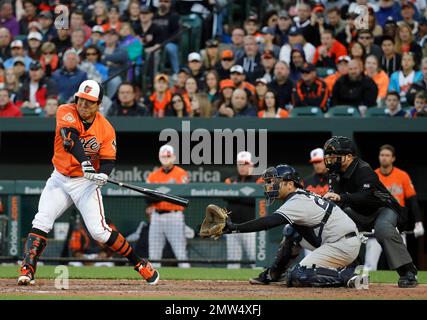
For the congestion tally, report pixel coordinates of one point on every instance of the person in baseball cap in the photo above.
(194, 57)
(318, 181)
(237, 69)
(89, 90)
(167, 155)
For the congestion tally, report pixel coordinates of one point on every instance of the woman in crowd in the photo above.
(272, 108)
(223, 104)
(100, 14)
(261, 88)
(297, 61)
(132, 16)
(93, 56)
(176, 108)
(381, 79)
(212, 86)
(405, 42)
(211, 55)
(199, 103)
(12, 83)
(358, 52)
(49, 60)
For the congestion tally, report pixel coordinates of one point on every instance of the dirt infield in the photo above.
(195, 289)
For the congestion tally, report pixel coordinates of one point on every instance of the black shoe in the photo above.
(263, 278)
(409, 280)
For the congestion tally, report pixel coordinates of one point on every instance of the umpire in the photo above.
(355, 187)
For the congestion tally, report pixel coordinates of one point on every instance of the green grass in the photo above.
(48, 272)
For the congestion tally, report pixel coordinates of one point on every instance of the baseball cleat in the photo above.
(409, 280)
(147, 271)
(26, 276)
(264, 278)
(358, 282)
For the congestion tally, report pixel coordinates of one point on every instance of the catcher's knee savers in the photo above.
(301, 276)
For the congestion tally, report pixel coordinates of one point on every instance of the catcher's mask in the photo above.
(273, 176)
(335, 149)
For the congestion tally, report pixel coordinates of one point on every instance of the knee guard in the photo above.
(288, 251)
(301, 276)
(34, 247)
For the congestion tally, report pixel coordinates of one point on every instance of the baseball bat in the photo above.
(152, 193)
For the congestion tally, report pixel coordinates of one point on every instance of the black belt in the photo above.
(164, 211)
(350, 235)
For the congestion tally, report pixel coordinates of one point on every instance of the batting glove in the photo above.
(89, 172)
(419, 229)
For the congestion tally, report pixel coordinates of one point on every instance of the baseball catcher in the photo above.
(310, 222)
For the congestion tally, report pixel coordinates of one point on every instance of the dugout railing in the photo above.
(126, 209)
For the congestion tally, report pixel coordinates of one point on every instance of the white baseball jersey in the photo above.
(308, 209)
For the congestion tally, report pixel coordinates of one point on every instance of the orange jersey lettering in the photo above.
(176, 175)
(398, 183)
(99, 141)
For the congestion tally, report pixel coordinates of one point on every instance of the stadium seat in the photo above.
(376, 112)
(28, 112)
(324, 72)
(343, 111)
(194, 37)
(306, 112)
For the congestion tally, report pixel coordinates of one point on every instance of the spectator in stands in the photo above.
(418, 86)
(7, 107)
(401, 81)
(150, 33)
(388, 8)
(69, 77)
(241, 105)
(116, 59)
(329, 51)
(132, 16)
(2, 76)
(243, 209)
(92, 64)
(405, 42)
(62, 41)
(318, 181)
(272, 108)
(113, 20)
(261, 87)
(374, 27)
(36, 89)
(197, 70)
(47, 30)
(19, 68)
(99, 14)
(223, 104)
(179, 85)
(125, 104)
(267, 62)
(161, 96)
(422, 36)
(283, 25)
(297, 62)
(270, 19)
(366, 39)
(268, 44)
(390, 28)
(130, 43)
(408, 13)
(177, 107)
(420, 105)
(51, 107)
(355, 88)
(17, 50)
(392, 102)
(12, 83)
(237, 43)
(78, 42)
(96, 38)
(310, 90)
(251, 60)
(357, 52)
(282, 84)
(34, 26)
(49, 59)
(168, 20)
(296, 40)
(210, 55)
(224, 66)
(30, 14)
(77, 22)
(212, 86)
(391, 61)
(336, 24)
(197, 100)
(5, 39)
(308, 27)
(34, 45)
(251, 27)
(7, 19)
(237, 75)
(380, 78)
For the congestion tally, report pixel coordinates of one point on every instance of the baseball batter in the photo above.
(84, 155)
(311, 222)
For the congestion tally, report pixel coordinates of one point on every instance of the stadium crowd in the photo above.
(284, 56)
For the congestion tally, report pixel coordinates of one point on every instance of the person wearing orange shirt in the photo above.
(381, 79)
(342, 70)
(167, 220)
(84, 156)
(162, 95)
(329, 51)
(400, 186)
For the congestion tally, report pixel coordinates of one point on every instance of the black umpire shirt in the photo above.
(360, 189)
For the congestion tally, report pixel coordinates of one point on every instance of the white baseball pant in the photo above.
(60, 193)
(236, 243)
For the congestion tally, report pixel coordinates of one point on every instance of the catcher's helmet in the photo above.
(336, 147)
(274, 175)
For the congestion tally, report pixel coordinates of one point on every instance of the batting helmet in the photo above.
(90, 90)
(274, 175)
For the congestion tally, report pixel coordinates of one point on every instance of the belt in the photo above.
(164, 211)
(350, 235)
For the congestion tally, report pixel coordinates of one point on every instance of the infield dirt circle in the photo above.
(202, 289)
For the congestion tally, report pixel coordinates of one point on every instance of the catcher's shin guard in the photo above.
(287, 253)
(34, 246)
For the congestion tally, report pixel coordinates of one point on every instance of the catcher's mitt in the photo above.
(214, 222)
